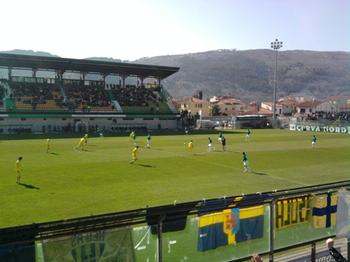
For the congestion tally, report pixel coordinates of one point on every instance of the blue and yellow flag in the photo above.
(251, 223)
(229, 227)
(324, 210)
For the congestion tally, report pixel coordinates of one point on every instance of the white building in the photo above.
(307, 107)
(334, 104)
(194, 105)
(283, 108)
(231, 106)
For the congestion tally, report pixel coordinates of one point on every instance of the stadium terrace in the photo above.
(50, 94)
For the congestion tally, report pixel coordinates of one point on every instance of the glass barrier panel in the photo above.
(305, 218)
(102, 245)
(221, 236)
(145, 243)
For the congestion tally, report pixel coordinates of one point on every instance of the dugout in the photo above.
(251, 121)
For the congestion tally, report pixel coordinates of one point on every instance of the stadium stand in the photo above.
(36, 94)
(84, 97)
(88, 96)
(2, 95)
(51, 94)
(140, 99)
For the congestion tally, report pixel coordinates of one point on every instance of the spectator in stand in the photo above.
(332, 116)
(35, 94)
(87, 97)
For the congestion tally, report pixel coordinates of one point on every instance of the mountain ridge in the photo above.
(249, 74)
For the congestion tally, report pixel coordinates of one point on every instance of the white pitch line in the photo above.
(286, 179)
(197, 159)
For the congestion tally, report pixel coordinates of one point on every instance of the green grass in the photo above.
(68, 183)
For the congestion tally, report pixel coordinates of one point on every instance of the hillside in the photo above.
(28, 52)
(249, 74)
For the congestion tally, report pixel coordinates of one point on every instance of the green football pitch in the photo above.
(68, 183)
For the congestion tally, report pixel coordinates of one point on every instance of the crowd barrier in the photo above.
(223, 229)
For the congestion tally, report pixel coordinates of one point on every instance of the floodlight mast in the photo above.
(275, 45)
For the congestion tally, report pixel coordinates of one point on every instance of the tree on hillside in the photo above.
(215, 110)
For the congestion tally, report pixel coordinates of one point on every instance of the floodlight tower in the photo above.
(275, 45)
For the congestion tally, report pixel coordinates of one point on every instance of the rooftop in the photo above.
(309, 104)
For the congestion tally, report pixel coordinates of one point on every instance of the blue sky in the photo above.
(130, 29)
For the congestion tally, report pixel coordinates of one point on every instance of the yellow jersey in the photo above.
(18, 165)
(82, 141)
(190, 145)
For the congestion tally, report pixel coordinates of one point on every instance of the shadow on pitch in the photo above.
(258, 173)
(199, 154)
(86, 150)
(53, 153)
(29, 186)
(143, 165)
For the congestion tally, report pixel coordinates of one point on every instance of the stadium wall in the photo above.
(343, 128)
(57, 123)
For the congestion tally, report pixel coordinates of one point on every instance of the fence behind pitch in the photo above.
(225, 229)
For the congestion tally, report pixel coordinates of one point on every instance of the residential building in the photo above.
(307, 107)
(230, 106)
(194, 105)
(334, 104)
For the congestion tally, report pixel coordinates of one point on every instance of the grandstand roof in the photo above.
(84, 65)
